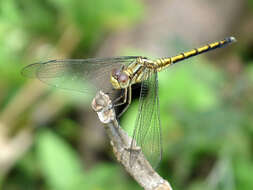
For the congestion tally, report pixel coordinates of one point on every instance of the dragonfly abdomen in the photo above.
(165, 62)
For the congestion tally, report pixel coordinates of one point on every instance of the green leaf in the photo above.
(250, 3)
(250, 71)
(190, 85)
(244, 174)
(59, 163)
(129, 117)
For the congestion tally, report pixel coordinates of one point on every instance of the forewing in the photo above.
(147, 132)
(77, 74)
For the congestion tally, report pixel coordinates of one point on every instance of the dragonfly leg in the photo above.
(121, 96)
(128, 102)
(114, 102)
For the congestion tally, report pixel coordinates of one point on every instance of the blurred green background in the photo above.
(50, 139)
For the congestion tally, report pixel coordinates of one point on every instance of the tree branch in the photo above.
(140, 170)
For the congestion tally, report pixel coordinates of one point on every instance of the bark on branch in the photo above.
(141, 170)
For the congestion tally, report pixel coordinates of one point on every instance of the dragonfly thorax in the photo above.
(119, 79)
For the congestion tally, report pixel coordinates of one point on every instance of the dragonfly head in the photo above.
(119, 79)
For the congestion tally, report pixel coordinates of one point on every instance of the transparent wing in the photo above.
(147, 132)
(77, 74)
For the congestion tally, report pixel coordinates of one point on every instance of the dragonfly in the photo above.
(121, 73)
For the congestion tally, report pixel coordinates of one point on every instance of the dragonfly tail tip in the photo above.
(231, 39)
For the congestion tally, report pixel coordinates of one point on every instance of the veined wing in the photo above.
(77, 74)
(147, 132)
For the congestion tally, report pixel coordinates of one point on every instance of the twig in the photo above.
(140, 170)
(11, 150)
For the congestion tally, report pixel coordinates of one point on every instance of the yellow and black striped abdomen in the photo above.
(164, 62)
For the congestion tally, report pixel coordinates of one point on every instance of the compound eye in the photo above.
(123, 78)
(116, 73)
